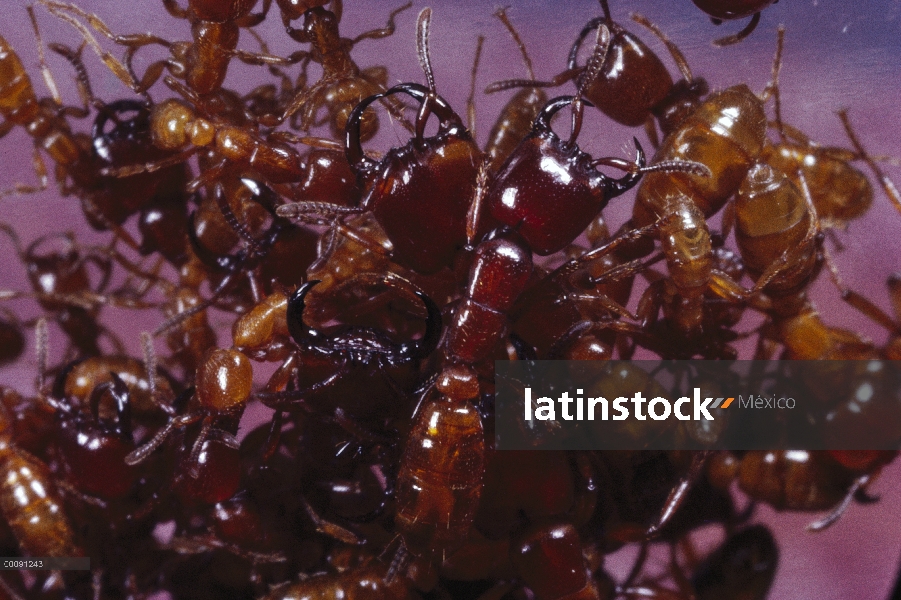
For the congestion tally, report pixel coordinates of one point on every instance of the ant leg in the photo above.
(296, 398)
(254, 58)
(332, 530)
(394, 107)
(679, 493)
(827, 521)
(64, 11)
(728, 220)
(264, 49)
(40, 169)
(724, 286)
(274, 438)
(580, 262)
(45, 70)
(94, 214)
(42, 348)
(315, 142)
(385, 31)
(772, 88)
(675, 53)
(887, 184)
(81, 79)
(735, 38)
(150, 167)
(305, 100)
(556, 81)
(175, 10)
(254, 19)
(868, 308)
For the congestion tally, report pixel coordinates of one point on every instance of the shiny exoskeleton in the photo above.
(366, 369)
(633, 84)
(30, 501)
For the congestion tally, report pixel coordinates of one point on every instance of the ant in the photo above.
(361, 365)
(29, 499)
(221, 390)
(743, 566)
(175, 124)
(203, 62)
(518, 195)
(632, 84)
(57, 268)
(800, 479)
(440, 476)
(426, 237)
(839, 192)
(343, 84)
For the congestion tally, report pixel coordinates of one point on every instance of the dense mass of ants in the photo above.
(382, 288)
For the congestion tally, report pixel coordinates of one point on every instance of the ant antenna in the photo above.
(423, 25)
(772, 88)
(592, 70)
(42, 341)
(502, 15)
(888, 185)
(471, 101)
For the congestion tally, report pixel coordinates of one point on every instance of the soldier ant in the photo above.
(632, 84)
(518, 195)
(426, 237)
(371, 373)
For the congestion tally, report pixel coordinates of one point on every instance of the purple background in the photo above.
(837, 55)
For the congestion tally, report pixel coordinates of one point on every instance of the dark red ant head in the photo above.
(214, 476)
(92, 449)
(56, 271)
(631, 80)
(121, 135)
(549, 190)
(360, 340)
(419, 193)
(221, 11)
